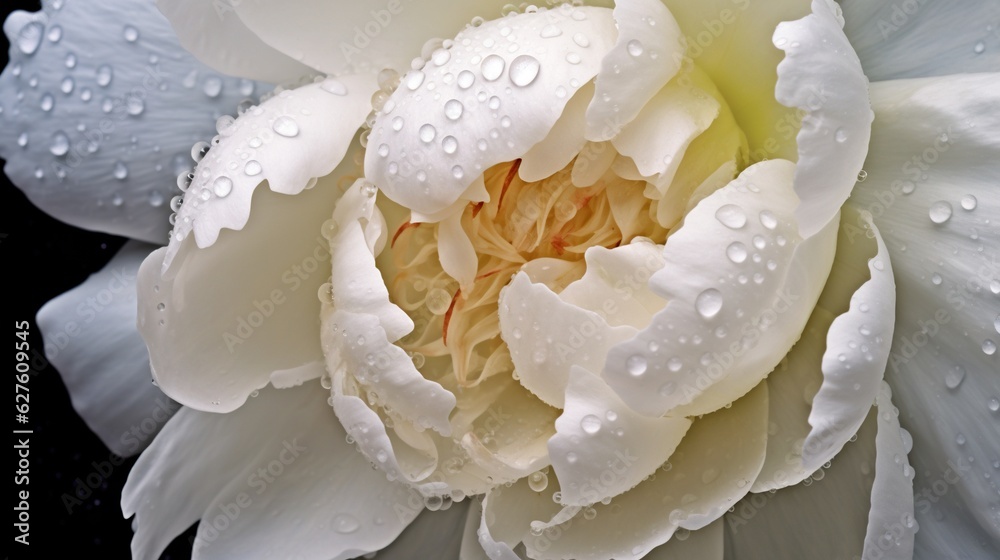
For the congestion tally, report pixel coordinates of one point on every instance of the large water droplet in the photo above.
(492, 67)
(954, 377)
(222, 186)
(252, 168)
(979, 48)
(29, 37)
(120, 171)
(66, 85)
(989, 347)
(413, 79)
(538, 481)
(60, 144)
(453, 109)
(993, 404)
(768, 220)
(634, 47)
(345, 523)
(940, 212)
(47, 102)
(103, 75)
(590, 424)
(22, 140)
(134, 106)
(334, 86)
(709, 303)
(737, 252)
(130, 34)
(286, 126)
(523, 70)
(466, 79)
(212, 86)
(636, 365)
(449, 144)
(731, 216)
(969, 202)
(550, 31)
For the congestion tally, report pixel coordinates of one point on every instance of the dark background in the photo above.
(41, 259)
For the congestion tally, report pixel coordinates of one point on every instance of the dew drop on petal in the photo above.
(334, 86)
(453, 109)
(120, 171)
(286, 126)
(989, 347)
(130, 34)
(940, 212)
(345, 523)
(709, 303)
(954, 377)
(768, 220)
(840, 135)
(252, 168)
(523, 70)
(636, 365)
(969, 202)
(60, 144)
(222, 186)
(427, 133)
(466, 79)
(538, 481)
(103, 75)
(731, 216)
(492, 67)
(29, 37)
(449, 144)
(590, 424)
(634, 47)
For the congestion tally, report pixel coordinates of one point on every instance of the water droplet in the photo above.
(862, 175)
(212, 86)
(413, 79)
(134, 106)
(47, 102)
(453, 109)
(427, 133)
(940, 212)
(222, 186)
(731, 216)
(199, 150)
(969, 202)
(768, 220)
(441, 57)
(22, 140)
(345, 523)
(636, 365)
(996, 323)
(70, 60)
(466, 79)
(29, 37)
(523, 70)
(572, 457)
(979, 48)
(709, 303)
(634, 48)
(66, 85)
(60, 144)
(908, 187)
(457, 172)
(252, 168)
(286, 126)
(960, 439)
(130, 34)
(989, 347)
(334, 86)
(550, 31)
(103, 75)
(492, 67)
(993, 404)
(840, 135)
(709, 475)
(581, 40)
(954, 377)
(120, 171)
(936, 279)
(590, 424)
(449, 144)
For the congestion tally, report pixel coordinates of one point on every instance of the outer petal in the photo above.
(96, 124)
(507, 515)
(720, 333)
(433, 534)
(338, 37)
(91, 339)
(288, 140)
(649, 52)
(487, 99)
(711, 470)
(703, 544)
(215, 34)
(857, 350)
(935, 144)
(283, 452)
(602, 448)
(822, 77)
(211, 359)
(918, 38)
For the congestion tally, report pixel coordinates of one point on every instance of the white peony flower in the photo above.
(584, 281)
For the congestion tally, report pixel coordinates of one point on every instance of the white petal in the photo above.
(563, 143)
(664, 128)
(616, 283)
(447, 136)
(822, 77)
(215, 34)
(857, 350)
(892, 492)
(739, 296)
(339, 37)
(602, 448)
(731, 41)
(433, 534)
(458, 256)
(94, 127)
(938, 139)
(235, 312)
(647, 54)
(572, 336)
(471, 549)
(916, 39)
(710, 471)
(703, 544)
(283, 452)
(507, 515)
(288, 140)
(828, 513)
(90, 338)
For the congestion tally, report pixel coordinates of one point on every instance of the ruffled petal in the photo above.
(710, 471)
(283, 452)
(507, 515)
(931, 186)
(917, 38)
(733, 268)
(647, 54)
(288, 140)
(496, 92)
(572, 337)
(562, 144)
(601, 447)
(215, 332)
(857, 350)
(337, 37)
(90, 338)
(821, 76)
(99, 107)
(214, 33)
